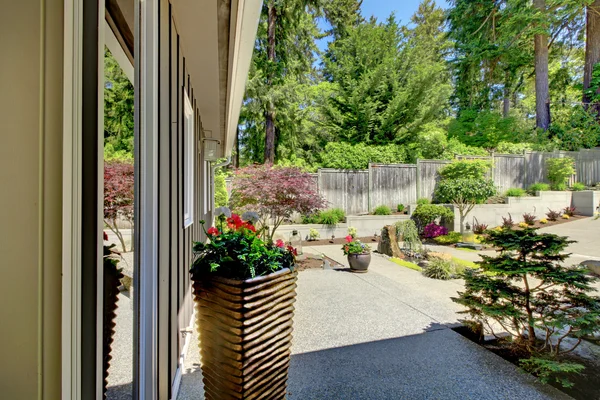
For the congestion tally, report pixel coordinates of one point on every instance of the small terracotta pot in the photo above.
(359, 262)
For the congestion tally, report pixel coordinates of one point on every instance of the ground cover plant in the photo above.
(538, 187)
(515, 192)
(406, 264)
(578, 186)
(527, 291)
(450, 238)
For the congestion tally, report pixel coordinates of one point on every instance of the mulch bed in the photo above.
(314, 263)
(557, 222)
(341, 240)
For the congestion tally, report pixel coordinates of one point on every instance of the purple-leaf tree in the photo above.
(275, 193)
(118, 196)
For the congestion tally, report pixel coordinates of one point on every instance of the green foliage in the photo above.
(400, 208)
(331, 216)
(559, 171)
(538, 187)
(575, 128)
(313, 234)
(515, 192)
(461, 265)
(423, 201)
(355, 246)
(347, 156)
(464, 193)
(552, 370)
(438, 269)
(118, 112)
(221, 195)
(483, 128)
(235, 251)
(450, 238)
(382, 210)
(524, 287)
(520, 148)
(408, 233)
(470, 169)
(352, 231)
(406, 264)
(578, 186)
(425, 214)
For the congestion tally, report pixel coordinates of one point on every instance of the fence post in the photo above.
(369, 187)
(418, 179)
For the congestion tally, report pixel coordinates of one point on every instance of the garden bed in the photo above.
(586, 385)
(370, 240)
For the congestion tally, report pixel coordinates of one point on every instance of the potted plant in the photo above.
(244, 289)
(359, 254)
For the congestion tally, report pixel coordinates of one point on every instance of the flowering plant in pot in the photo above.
(244, 289)
(359, 254)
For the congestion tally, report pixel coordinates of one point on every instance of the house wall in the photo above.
(31, 36)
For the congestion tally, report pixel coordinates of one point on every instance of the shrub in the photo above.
(466, 169)
(578, 186)
(543, 221)
(528, 271)
(332, 216)
(343, 155)
(407, 230)
(313, 234)
(422, 201)
(538, 187)
(221, 195)
(549, 370)
(434, 230)
(529, 219)
(552, 215)
(565, 216)
(438, 269)
(570, 211)
(508, 222)
(400, 208)
(515, 192)
(559, 171)
(427, 213)
(478, 228)
(275, 193)
(450, 238)
(523, 224)
(464, 193)
(382, 210)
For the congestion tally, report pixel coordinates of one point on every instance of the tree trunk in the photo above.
(542, 92)
(270, 112)
(592, 46)
(506, 95)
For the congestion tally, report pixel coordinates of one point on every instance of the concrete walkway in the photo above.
(384, 335)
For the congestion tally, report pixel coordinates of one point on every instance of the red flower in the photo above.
(105, 235)
(249, 226)
(213, 231)
(292, 250)
(279, 243)
(348, 238)
(234, 222)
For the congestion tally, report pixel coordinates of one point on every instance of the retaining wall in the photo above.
(587, 202)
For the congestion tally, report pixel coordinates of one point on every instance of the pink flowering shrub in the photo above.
(275, 193)
(434, 230)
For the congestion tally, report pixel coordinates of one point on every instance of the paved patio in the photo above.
(384, 335)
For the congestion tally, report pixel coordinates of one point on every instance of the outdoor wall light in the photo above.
(211, 149)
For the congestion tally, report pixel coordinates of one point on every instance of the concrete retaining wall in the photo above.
(491, 214)
(586, 202)
(366, 225)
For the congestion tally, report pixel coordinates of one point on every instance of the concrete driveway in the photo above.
(384, 335)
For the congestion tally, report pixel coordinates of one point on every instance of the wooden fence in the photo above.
(359, 192)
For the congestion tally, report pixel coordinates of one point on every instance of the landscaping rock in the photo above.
(388, 244)
(592, 265)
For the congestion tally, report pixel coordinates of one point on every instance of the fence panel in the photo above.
(345, 189)
(427, 176)
(392, 184)
(588, 166)
(509, 171)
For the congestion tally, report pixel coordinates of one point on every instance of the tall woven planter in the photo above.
(245, 332)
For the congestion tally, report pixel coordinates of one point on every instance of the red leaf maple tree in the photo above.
(118, 196)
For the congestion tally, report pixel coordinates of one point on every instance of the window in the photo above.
(188, 162)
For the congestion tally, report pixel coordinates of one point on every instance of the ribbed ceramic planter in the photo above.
(245, 332)
(359, 262)
(112, 281)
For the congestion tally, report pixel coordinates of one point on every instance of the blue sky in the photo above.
(382, 9)
(404, 9)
